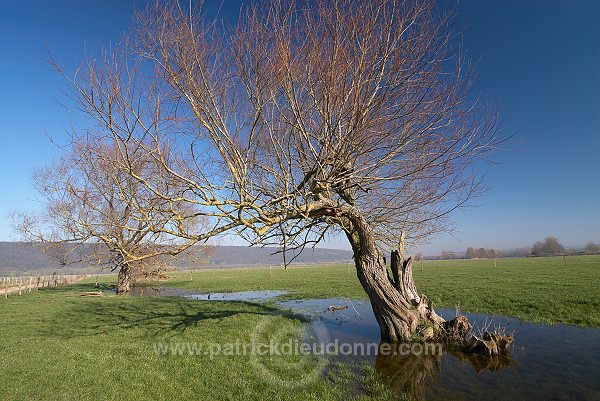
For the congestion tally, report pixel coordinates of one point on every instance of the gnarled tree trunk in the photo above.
(401, 313)
(124, 280)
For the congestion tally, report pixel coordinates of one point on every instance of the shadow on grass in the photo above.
(143, 316)
(79, 288)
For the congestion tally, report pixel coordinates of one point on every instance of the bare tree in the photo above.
(550, 246)
(301, 121)
(96, 212)
(471, 253)
(537, 249)
(592, 247)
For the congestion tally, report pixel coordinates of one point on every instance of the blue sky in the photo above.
(539, 61)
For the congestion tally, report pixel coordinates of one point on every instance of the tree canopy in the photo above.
(550, 246)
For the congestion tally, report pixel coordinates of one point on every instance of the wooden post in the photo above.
(20, 286)
(495, 263)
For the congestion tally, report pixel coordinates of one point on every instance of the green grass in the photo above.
(55, 344)
(541, 290)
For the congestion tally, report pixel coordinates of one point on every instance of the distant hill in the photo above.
(18, 258)
(225, 256)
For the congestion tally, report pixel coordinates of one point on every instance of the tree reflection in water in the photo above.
(404, 372)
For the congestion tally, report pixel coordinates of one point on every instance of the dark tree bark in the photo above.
(124, 280)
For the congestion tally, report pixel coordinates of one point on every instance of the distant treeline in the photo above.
(551, 246)
(483, 253)
(473, 253)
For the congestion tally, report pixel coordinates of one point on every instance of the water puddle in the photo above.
(548, 362)
(239, 296)
(215, 296)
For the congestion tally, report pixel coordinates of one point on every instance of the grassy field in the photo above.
(55, 344)
(535, 289)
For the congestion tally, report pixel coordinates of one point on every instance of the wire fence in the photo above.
(22, 285)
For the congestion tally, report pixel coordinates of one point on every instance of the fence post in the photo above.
(20, 286)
